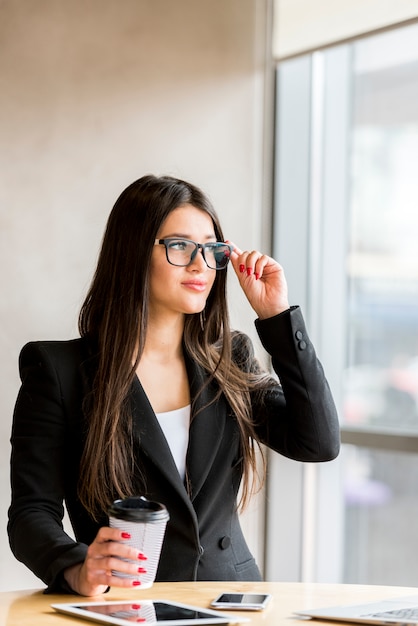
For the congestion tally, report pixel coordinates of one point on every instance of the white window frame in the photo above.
(298, 534)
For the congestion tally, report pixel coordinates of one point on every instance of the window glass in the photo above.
(381, 380)
(381, 504)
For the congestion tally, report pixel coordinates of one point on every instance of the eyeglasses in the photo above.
(181, 252)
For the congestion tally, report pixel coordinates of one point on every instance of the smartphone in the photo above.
(242, 601)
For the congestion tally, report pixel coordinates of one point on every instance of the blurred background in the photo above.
(299, 120)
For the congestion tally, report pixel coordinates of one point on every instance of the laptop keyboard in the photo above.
(406, 614)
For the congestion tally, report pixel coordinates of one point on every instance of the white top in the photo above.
(175, 426)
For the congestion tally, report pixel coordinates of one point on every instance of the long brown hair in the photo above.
(114, 316)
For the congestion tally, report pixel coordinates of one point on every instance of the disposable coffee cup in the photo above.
(145, 521)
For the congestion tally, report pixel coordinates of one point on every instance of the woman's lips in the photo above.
(195, 285)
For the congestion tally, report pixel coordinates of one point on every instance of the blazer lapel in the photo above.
(206, 429)
(205, 435)
(152, 440)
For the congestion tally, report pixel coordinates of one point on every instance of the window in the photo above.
(381, 377)
(346, 225)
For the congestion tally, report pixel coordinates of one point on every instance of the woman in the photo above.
(159, 398)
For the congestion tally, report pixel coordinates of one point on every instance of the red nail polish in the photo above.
(136, 583)
(249, 271)
(142, 557)
(142, 570)
(241, 268)
(125, 535)
(257, 275)
(135, 607)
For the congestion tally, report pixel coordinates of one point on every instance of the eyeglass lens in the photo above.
(182, 252)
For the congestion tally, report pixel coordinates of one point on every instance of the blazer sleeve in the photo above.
(297, 416)
(39, 461)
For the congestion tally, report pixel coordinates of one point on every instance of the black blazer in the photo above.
(203, 540)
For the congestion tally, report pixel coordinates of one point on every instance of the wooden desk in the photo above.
(32, 608)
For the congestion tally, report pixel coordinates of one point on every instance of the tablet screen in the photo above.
(158, 612)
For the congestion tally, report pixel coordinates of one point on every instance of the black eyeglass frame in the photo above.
(198, 246)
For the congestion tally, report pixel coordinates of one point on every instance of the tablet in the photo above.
(156, 612)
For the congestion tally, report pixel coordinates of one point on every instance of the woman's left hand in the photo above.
(263, 281)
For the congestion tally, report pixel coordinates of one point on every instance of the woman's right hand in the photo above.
(94, 575)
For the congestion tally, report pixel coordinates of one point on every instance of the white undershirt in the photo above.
(175, 426)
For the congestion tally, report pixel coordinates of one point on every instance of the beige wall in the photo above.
(304, 25)
(94, 94)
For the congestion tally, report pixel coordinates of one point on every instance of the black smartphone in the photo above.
(242, 601)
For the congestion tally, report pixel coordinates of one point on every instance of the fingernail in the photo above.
(142, 570)
(241, 268)
(125, 535)
(136, 583)
(249, 271)
(257, 275)
(142, 557)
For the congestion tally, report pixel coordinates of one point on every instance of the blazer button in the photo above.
(224, 542)
(298, 334)
(302, 345)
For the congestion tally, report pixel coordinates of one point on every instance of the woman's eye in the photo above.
(178, 245)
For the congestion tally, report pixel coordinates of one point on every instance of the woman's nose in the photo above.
(198, 263)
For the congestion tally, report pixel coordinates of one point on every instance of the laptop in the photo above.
(403, 610)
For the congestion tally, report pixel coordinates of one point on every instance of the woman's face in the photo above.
(181, 290)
